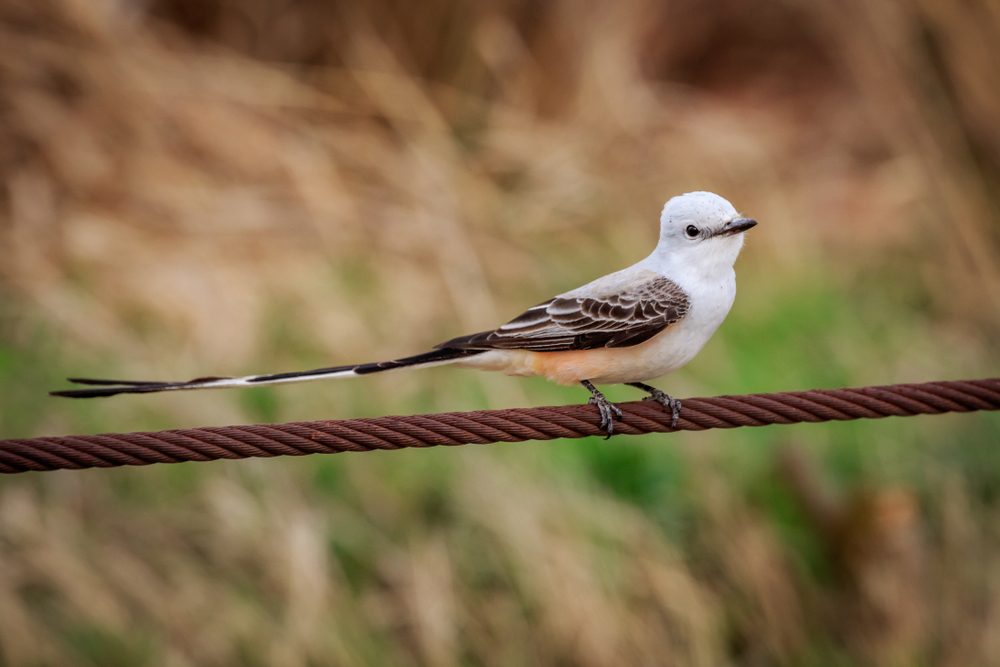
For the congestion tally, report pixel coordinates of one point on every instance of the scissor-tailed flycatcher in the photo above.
(638, 323)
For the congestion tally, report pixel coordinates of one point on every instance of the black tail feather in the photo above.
(112, 391)
(131, 383)
(103, 387)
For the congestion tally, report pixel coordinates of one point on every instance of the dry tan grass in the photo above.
(239, 186)
(193, 185)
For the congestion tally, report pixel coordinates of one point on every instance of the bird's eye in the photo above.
(692, 231)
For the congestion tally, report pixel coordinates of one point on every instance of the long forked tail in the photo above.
(101, 388)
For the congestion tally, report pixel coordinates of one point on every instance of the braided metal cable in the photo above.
(490, 426)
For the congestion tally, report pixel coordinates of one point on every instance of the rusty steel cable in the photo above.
(490, 426)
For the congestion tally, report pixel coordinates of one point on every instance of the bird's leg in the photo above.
(609, 411)
(662, 398)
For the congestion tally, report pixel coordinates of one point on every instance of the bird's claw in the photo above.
(672, 404)
(608, 411)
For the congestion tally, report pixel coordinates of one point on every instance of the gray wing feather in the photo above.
(621, 319)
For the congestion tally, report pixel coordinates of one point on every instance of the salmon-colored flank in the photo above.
(572, 366)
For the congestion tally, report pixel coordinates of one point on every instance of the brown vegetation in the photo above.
(221, 186)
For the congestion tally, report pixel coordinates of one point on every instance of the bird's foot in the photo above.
(663, 398)
(608, 410)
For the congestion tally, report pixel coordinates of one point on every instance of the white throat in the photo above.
(711, 260)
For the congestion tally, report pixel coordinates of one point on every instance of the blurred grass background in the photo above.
(219, 187)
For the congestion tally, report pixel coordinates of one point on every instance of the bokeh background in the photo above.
(201, 187)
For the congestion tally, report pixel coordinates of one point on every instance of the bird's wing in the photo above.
(586, 319)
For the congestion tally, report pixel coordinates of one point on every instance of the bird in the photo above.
(633, 325)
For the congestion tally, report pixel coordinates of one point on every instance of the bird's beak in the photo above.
(737, 225)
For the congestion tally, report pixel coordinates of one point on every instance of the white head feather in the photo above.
(700, 232)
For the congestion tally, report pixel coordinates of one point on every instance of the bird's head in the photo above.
(701, 230)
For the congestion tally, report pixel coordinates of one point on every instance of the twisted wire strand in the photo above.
(490, 426)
